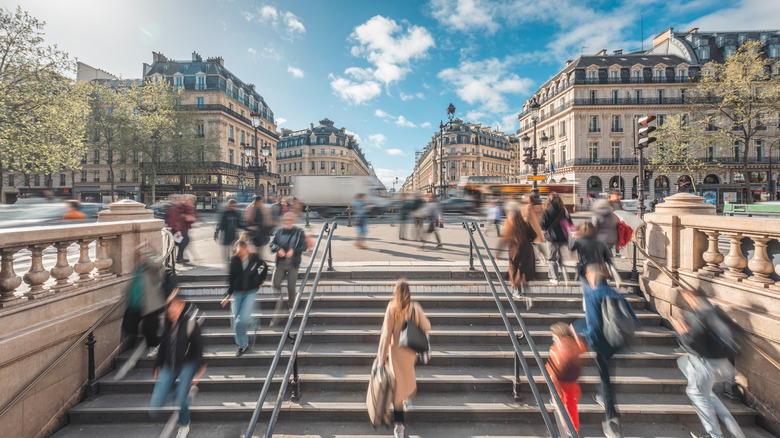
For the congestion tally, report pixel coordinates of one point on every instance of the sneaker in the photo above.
(183, 431)
(599, 400)
(152, 351)
(240, 352)
(554, 281)
(619, 255)
(399, 431)
(612, 428)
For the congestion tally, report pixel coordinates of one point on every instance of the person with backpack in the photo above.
(247, 274)
(519, 235)
(257, 221)
(555, 223)
(590, 251)
(180, 358)
(606, 223)
(710, 338)
(288, 243)
(565, 367)
(228, 226)
(145, 300)
(532, 211)
(610, 324)
(401, 311)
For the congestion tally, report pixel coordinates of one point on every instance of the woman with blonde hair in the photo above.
(400, 310)
(519, 235)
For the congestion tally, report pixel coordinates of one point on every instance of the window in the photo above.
(704, 54)
(594, 124)
(37, 180)
(122, 157)
(333, 165)
(682, 75)
(730, 51)
(552, 132)
(710, 152)
(200, 103)
(686, 119)
(243, 137)
(122, 175)
(593, 152)
(96, 156)
(11, 180)
(230, 156)
(135, 157)
(135, 176)
(229, 88)
(614, 75)
(201, 82)
(774, 52)
(201, 129)
(230, 133)
(62, 179)
(637, 74)
(736, 151)
(322, 165)
(682, 94)
(661, 96)
(615, 96)
(179, 82)
(322, 151)
(617, 151)
(617, 125)
(83, 176)
(592, 96)
(96, 176)
(661, 119)
(333, 152)
(563, 128)
(552, 156)
(659, 75)
(313, 151)
(563, 154)
(312, 165)
(759, 150)
(741, 38)
(638, 96)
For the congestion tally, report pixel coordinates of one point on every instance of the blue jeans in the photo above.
(702, 374)
(243, 307)
(164, 384)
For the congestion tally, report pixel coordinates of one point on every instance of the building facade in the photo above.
(588, 113)
(223, 103)
(468, 150)
(318, 150)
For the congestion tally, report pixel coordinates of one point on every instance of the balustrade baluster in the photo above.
(103, 261)
(37, 275)
(84, 265)
(9, 281)
(62, 270)
(760, 264)
(712, 256)
(734, 260)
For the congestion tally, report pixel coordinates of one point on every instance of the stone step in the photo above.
(350, 406)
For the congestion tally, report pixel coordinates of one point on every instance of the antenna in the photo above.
(582, 49)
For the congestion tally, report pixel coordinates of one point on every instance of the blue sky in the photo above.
(385, 70)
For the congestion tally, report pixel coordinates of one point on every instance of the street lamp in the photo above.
(257, 168)
(529, 152)
(450, 115)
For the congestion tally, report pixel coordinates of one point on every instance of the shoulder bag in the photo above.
(412, 336)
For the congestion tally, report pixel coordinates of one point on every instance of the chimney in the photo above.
(158, 57)
(662, 37)
(217, 59)
(196, 57)
(602, 52)
(568, 62)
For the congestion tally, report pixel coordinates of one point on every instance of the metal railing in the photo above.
(568, 425)
(292, 364)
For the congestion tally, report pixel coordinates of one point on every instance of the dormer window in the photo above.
(178, 82)
(201, 82)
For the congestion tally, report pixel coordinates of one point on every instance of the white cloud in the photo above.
(467, 15)
(377, 140)
(355, 90)
(284, 22)
(298, 73)
(406, 97)
(354, 134)
(402, 122)
(252, 51)
(746, 14)
(425, 125)
(486, 83)
(280, 121)
(396, 152)
(388, 176)
(382, 114)
(388, 48)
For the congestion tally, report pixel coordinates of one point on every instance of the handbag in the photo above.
(412, 336)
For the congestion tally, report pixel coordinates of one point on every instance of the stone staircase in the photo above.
(466, 390)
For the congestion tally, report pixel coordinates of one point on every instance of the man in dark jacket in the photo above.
(552, 223)
(288, 243)
(229, 225)
(180, 357)
(247, 274)
(706, 362)
(597, 342)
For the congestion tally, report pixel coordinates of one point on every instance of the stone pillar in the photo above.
(146, 230)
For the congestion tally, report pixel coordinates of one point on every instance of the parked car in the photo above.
(459, 205)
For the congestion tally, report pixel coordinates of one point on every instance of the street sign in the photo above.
(536, 178)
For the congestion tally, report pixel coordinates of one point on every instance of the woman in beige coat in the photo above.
(531, 209)
(402, 359)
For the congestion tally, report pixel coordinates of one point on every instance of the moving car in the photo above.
(459, 205)
(45, 214)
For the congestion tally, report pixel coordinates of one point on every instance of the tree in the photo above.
(41, 110)
(739, 94)
(682, 144)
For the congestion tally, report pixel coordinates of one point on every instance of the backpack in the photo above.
(565, 362)
(727, 332)
(618, 322)
(624, 233)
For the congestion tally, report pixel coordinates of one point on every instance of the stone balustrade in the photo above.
(117, 233)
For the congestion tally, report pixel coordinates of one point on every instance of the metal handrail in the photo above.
(285, 334)
(679, 284)
(293, 360)
(526, 333)
(84, 335)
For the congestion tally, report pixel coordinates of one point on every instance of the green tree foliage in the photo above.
(739, 95)
(41, 111)
(681, 146)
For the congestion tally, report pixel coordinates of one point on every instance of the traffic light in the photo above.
(643, 135)
(648, 175)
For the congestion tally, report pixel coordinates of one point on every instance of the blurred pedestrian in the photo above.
(257, 222)
(598, 342)
(519, 235)
(73, 211)
(228, 227)
(606, 223)
(185, 217)
(495, 215)
(288, 243)
(145, 300)
(430, 212)
(614, 200)
(409, 204)
(565, 367)
(400, 311)
(590, 251)
(361, 215)
(532, 210)
(711, 339)
(246, 276)
(180, 358)
(556, 224)
(511, 204)
(276, 211)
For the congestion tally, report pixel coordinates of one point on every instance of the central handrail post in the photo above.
(516, 383)
(296, 381)
(330, 253)
(91, 384)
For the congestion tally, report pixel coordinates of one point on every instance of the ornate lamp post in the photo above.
(529, 152)
(265, 151)
(450, 115)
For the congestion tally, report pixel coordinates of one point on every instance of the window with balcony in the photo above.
(593, 125)
(617, 124)
(759, 150)
(563, 128)
(593, 152)
(200, 103)
(617, 151)
(230, 134)
(11, 180)
(661, 96)
(135, 176)
(563, 154)
(736, 151)
(83, 176)
(122, 175)
(96, 176)
(592, 96)
(638, 96)
(96, 156)
(615, 96)
(709, 153)
(682, 75)
(231, 157)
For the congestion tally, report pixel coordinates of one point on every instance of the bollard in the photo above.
(349, 216)
(307, 217)
(91, 389)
